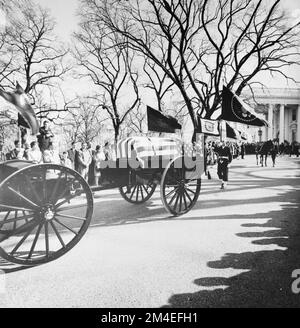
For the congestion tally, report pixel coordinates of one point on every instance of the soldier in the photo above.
(224, 158)
(242, 150)
(274, 152)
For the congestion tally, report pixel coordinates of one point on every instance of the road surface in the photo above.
(237, 247)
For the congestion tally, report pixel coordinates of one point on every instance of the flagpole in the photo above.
(221, 130)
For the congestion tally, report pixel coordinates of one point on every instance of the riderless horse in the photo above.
(264, 151)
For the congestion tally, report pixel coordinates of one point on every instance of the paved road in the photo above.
(237, 247)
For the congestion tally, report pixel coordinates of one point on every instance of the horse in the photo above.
(264, 151)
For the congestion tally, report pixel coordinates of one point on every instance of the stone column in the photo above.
(281, 124)
(270, 122)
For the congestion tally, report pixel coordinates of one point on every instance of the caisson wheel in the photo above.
(44, 212)
(138, 193)
(180, 186)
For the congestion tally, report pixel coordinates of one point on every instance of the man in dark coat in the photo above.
(242, 150)
(45, 136)
(274, 152)
(224, 158)
(73, 156)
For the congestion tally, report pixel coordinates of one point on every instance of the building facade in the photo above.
(281, 109)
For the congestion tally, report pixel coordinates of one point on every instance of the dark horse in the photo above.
(264, 151)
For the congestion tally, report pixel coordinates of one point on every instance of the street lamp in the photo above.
(259, 134)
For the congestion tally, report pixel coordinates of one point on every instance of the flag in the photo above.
(158, 122)
(209, 127)
(22, 122)
(235, 109)
(231, 132)
(27, 116)
(243, 135)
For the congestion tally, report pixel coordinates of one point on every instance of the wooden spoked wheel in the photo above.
(139, 193)
(44, 212)
(180, 186)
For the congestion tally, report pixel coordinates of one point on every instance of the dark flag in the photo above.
(19, 99)
(235, 109)
(243, 135)
(157, 122)
(230, 132)
(22, 122)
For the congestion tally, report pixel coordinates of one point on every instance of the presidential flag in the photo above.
(208, 127)
(234, 109)
(157, 122)
(19, 99)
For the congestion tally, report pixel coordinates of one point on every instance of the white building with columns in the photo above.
(281, 109)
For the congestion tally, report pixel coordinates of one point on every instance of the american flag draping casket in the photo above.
(152, 152)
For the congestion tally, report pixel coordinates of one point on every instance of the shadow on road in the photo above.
(8, 267)
(268, 279)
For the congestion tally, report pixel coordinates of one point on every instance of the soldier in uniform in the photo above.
(224, 158)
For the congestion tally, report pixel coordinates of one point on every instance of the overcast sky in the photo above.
(64, 12)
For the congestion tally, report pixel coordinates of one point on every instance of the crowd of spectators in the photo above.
(87, 161)
(83, 158)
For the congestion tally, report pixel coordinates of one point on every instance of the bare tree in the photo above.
(135, 122)
(109, 64)
(54, 105)
(158, 82)
(38, 57)
(202, 45)
(7, 69)
(7, 66)
(84, 121)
